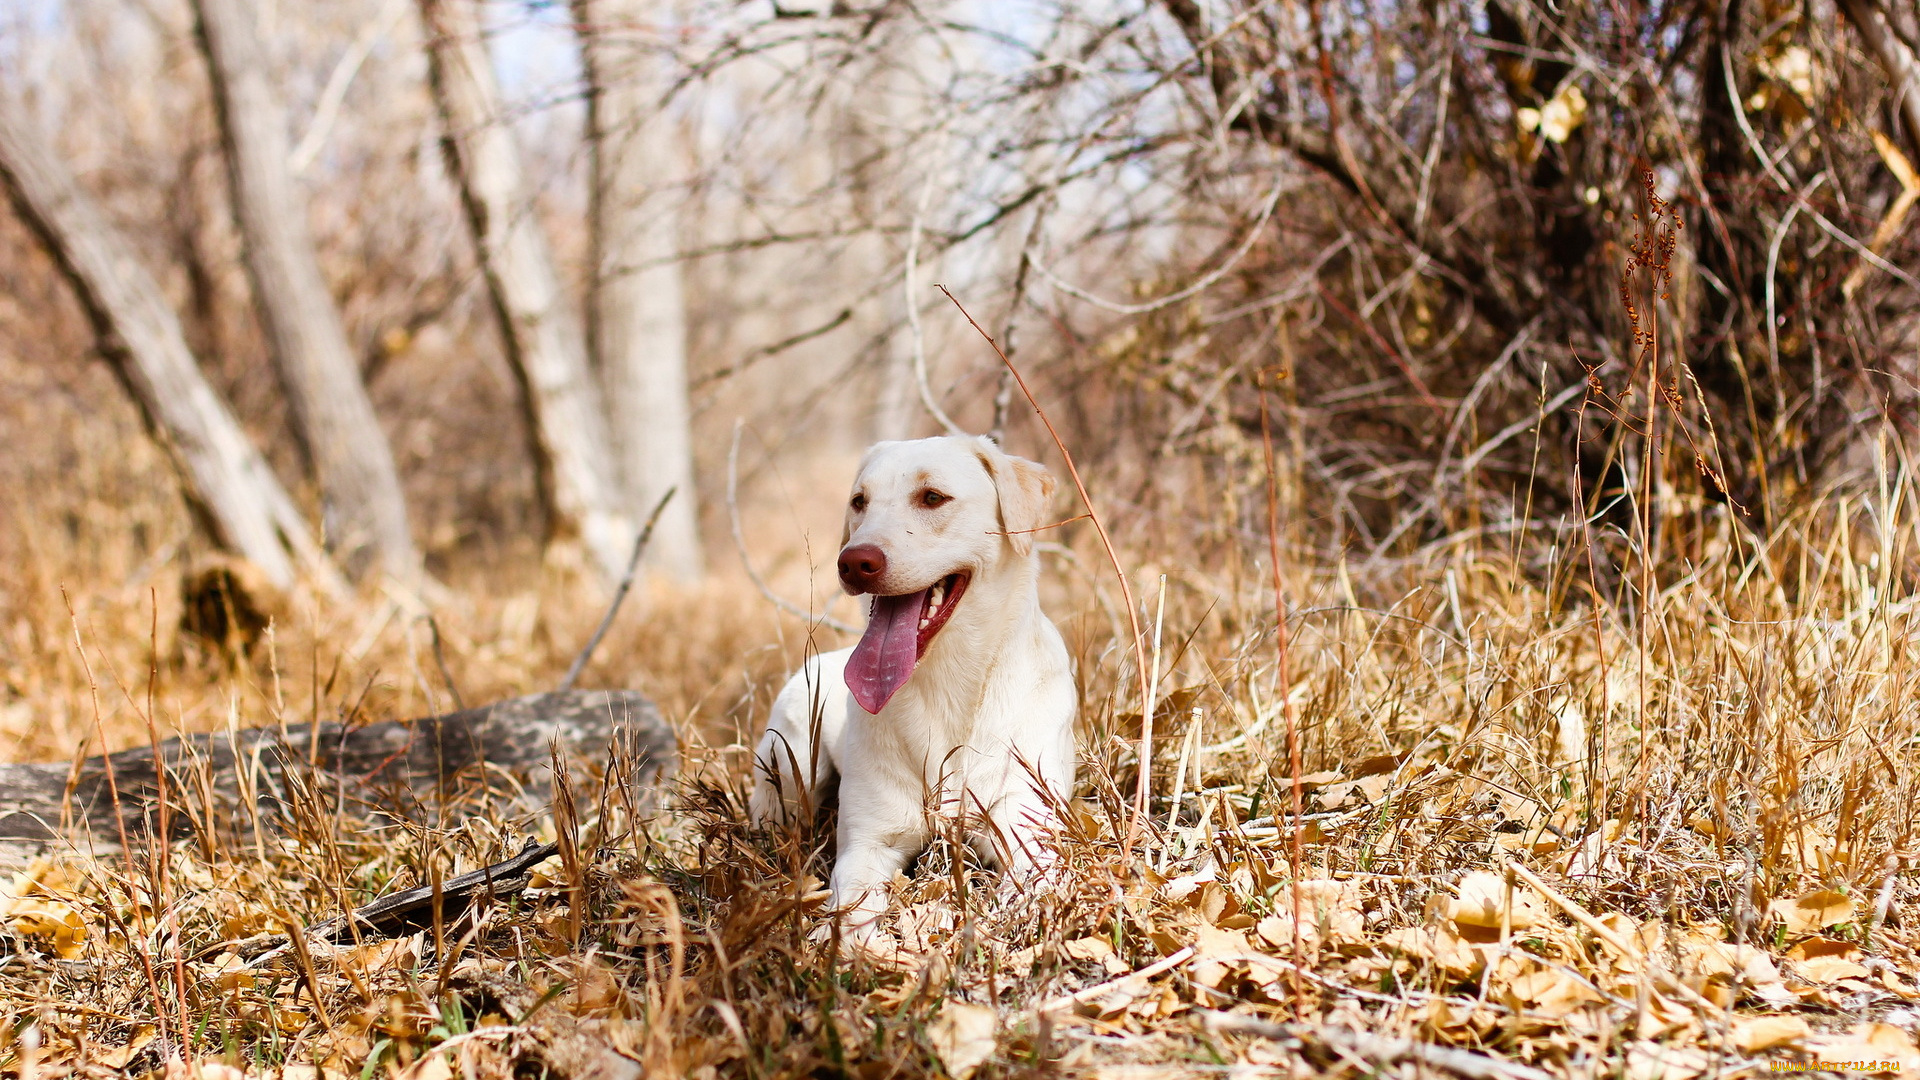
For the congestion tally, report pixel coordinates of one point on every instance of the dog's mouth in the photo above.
(899, 630)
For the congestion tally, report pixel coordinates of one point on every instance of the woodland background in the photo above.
(344, 347)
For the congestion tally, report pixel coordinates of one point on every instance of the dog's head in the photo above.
(925, 519)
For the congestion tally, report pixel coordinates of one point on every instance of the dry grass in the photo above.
(1716, 790)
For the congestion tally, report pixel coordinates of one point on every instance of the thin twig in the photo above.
(619, 595)
(1081, 997)
(440, 661)
(1605, 933)
(1126, 588)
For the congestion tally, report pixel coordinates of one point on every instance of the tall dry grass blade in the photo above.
(1119, 572)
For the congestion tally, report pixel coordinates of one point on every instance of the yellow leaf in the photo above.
(53, 921)
(963, 1037)
(431, 1067)
(1550, 992)
(1755, 1033)
(1829, 969)
(1886, 1049)
(1487, 900)
(1648, 1060)
(1329, 913)
(1793, 66)
(1814, 911)
(1560, 117)
(1823, 946)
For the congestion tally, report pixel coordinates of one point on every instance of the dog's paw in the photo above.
(868, 942)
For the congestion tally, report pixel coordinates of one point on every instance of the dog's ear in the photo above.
(1023, 488)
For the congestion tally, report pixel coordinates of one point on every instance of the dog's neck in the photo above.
(1000, 611)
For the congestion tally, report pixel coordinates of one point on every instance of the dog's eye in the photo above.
(859, 503)
(931, 498)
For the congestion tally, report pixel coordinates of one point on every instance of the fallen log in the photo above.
(423, 770)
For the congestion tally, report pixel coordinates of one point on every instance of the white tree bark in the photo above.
(637, 309)
(572, 451)
(366, 511)
(228, 483)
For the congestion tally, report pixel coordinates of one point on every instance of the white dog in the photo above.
(959, 699)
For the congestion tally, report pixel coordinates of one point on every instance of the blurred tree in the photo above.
(578, 476)
(636, 310)
(365, 512)
(230, 487)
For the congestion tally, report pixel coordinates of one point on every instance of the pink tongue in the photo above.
(887, 652)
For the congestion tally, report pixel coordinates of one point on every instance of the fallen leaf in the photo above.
(1373, 788)
(53, 921)
(963, 1037)
(1755, 1033)
(1378, 764)
(1217, 955)
(1487, 900)
(1823, 946)
(117, 1057)
(228, 972)
(1021, 961)
(1868, 1048)
(1329, 914)
(1550, 992)
(1215, 902)
(1439, 944)
(1182, 887)
(374, 957)
(1828, 969)
(1098, 950)
(431, 1067)
(1648, 1060)
(203, 1070)
(1716, 968)
(1814, 911)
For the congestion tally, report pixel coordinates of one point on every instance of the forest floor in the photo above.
(1535, 826)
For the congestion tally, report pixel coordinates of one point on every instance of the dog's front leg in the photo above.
(862, 873)
(881, 829)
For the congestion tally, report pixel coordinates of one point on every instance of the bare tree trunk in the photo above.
(228, 483)
(366, 512)
(572, 452)
(637, 310)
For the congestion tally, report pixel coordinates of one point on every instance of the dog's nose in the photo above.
(861, 567)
